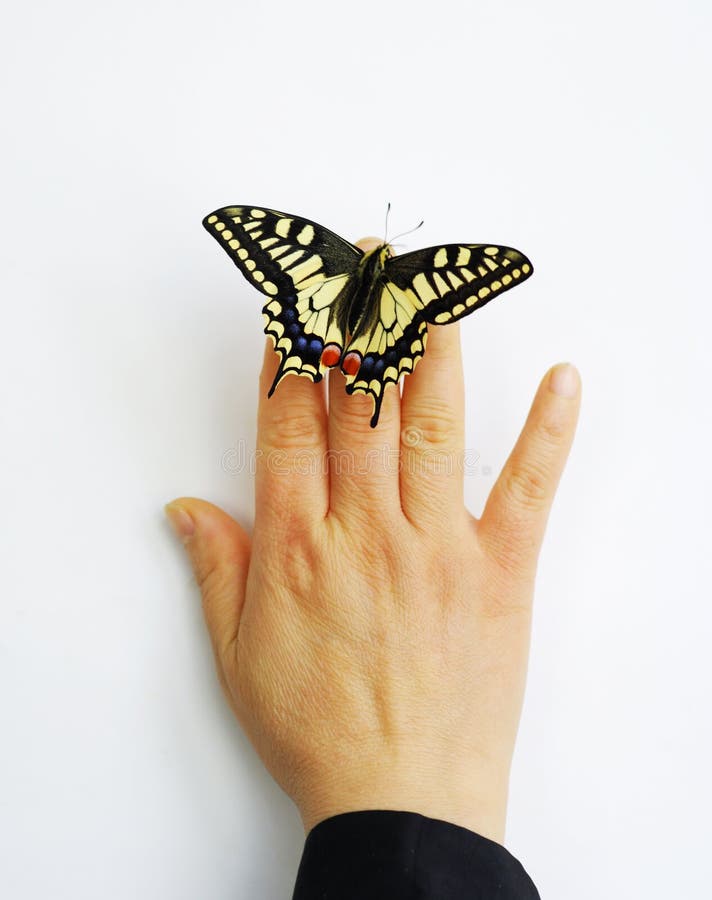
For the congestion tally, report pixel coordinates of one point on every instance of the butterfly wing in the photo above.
(305, 271)
(452, 281)
(390, 343)
(434, 286)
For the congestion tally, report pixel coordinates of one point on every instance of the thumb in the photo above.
(219, 552)
(514, 518)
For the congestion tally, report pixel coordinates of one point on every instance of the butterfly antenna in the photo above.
(385, 230)
(404, 233)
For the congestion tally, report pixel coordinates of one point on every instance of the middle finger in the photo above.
(363, 461)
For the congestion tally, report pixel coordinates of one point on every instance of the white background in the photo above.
(579, 133)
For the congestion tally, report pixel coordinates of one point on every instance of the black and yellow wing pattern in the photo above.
(303, 268)
(432, 286)
(329, 303)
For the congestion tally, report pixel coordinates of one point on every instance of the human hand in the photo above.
(372, 636)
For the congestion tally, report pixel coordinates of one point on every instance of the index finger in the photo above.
(290, 477)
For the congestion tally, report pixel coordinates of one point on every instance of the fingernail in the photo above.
(181, 522)
(564, 380)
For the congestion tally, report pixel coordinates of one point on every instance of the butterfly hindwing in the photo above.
(389, 345)
(304, 269)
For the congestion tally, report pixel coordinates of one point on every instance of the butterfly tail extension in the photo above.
(377, 401)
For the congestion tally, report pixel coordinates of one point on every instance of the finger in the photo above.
(432, 430)
(291, 476)
(219, 552)
(513, 522)
(363, 461)
(369, 243)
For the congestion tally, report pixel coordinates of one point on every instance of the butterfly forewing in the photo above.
(304, 269)
(456, 279)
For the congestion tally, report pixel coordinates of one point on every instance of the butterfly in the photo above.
(331, 304)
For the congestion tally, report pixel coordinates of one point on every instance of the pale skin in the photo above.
(370, 635)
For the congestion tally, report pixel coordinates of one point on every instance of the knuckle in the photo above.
(500, 605)
(434, 427)
(527, 485)
(290, 429)
(353, 413)
(209, 577)
(289, 542)
(282, 518)
(549, 432)
(509, 545)
(513, 550)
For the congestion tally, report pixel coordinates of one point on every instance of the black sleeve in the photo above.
(393, 855)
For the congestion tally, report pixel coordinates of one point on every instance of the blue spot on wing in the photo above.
(305, 345)
(316, 345)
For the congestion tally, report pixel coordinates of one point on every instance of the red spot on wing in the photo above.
(351, 363)
(331, 355)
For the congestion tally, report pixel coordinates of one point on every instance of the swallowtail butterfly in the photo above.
(331, 304)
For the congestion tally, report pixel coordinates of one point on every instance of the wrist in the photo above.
(478, 803)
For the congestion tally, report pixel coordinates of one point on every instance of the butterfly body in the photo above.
(330, 304)
(363, 314)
